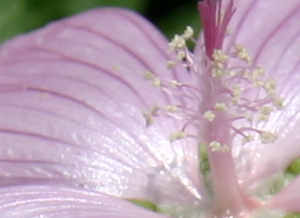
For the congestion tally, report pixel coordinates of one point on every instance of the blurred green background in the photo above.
(19, 16)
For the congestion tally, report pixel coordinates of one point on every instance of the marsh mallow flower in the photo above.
(99, 109)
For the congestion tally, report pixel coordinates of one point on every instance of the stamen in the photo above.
(177, 136)
(242, 53)
(178, 42)
(171, 64)
(171, 108)
(217, 146)
(248, 138)
(268, 137)
(156, 82)
(219, 56)
(232, 77)
(265, 112)
(175, 83)
(149, 75)
(188, 33)
(220, 106)
(209, 115)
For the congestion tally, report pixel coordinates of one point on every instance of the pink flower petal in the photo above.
(270, 32)
(55, 201)
(73, 95)
(288, 199)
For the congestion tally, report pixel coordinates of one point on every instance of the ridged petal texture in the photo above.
(57, 202)
(270, 31)
(72, 97)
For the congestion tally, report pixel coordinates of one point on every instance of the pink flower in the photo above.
(100, 108)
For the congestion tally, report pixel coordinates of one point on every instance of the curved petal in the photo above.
(269, 30)
(55, 201)
(288, 199)
(73, 95)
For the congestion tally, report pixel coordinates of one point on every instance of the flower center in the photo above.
(231, 91)
(223, 98)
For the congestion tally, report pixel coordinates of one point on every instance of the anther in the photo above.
(242, 53)
(171, 108)
(188, 33)
(220, 106)
(149, 75)
(178, 42)
(156, 82)
(267, 137)
(220, 56)
(217, 146)
(209, 115)
(177, 136)
(175, 83)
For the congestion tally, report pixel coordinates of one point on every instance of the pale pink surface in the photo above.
(288, 199)
(73, 95)
(269, 31)
(57, 202)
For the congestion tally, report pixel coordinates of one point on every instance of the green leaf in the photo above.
(176, 20)
(294, 167)
(145, 204)
(75, 6)
(292, 215)
(19, 16)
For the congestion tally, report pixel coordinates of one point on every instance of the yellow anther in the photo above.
(232, 73)
(258, 72)
(178, 42)
(214, 145)
(278, 102)
(177, 136)
(242, 53)
(216, 72)
(249, 116)
(209, 115)
(248, 138)
(263, 117)
(220, 56)
(171, 108)
(236, 91)
(266, 110)
(270, 86)
(220, 106)
(156, 82)
(217, 146)
(171, 64)
(149, 75)
(259, 83)
(219, 65)
(264, 113)
(188, 33)
(175, 83)
(267, 137)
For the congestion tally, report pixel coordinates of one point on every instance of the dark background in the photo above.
(18, 16)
